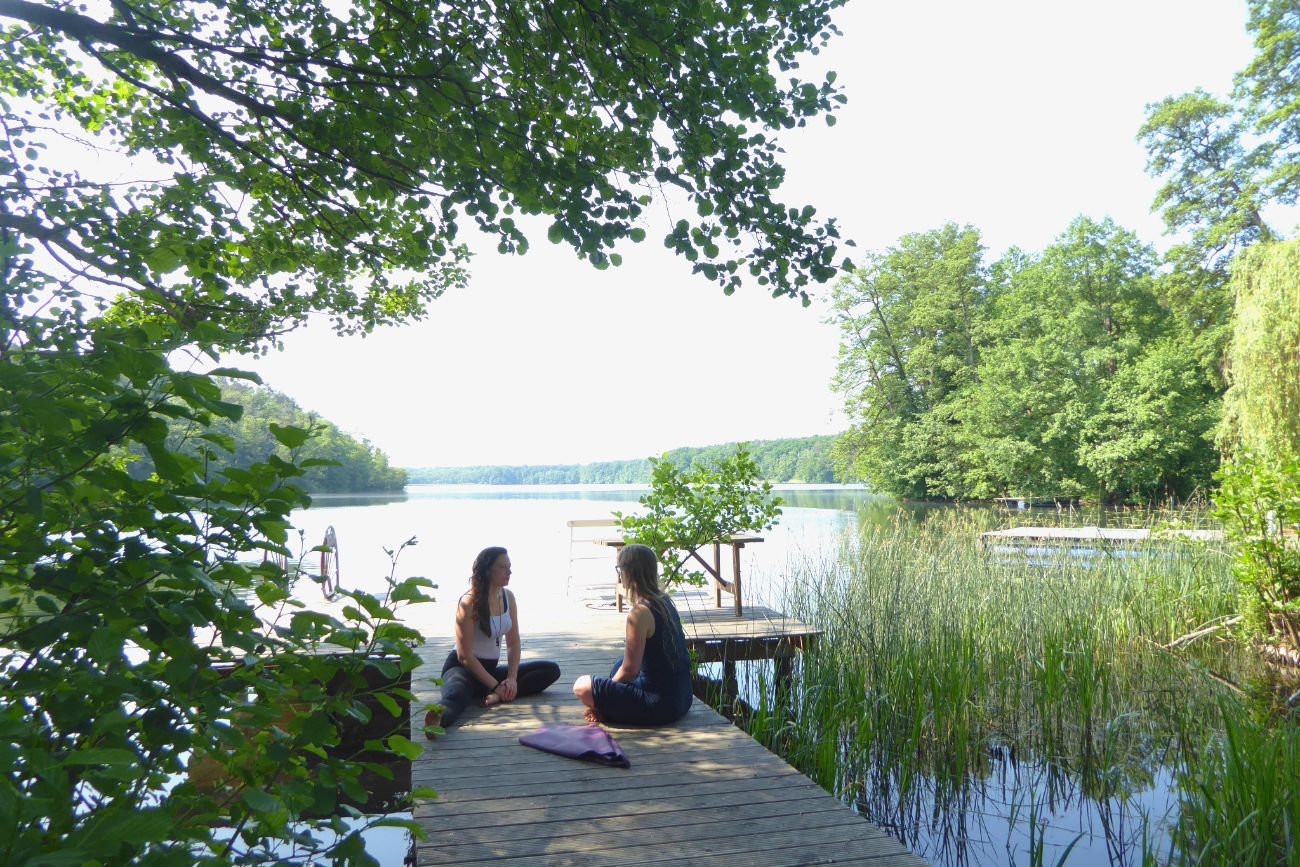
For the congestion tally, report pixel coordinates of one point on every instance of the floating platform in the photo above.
(1022, 503)
(1094, 536)
(699, 792)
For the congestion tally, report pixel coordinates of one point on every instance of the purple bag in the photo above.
(587, 743)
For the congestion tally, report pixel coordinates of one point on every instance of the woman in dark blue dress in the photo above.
(651, 685)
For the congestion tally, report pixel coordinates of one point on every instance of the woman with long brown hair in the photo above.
(486, 614)
(651, 684)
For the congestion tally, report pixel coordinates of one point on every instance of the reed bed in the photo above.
(991, 709)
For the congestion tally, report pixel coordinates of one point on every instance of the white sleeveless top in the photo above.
(489, 646)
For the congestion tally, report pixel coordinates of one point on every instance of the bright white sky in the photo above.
(1014, 116)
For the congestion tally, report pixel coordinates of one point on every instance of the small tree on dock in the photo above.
(689, 508)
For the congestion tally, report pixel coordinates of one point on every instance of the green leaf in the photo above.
(141, 826)
(404, 747)
(288, 435)
(104, 646)
(388, 703)
(260, 801)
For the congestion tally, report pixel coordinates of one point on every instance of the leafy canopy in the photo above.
(189, 177)
(320, 158)
(1224, 161)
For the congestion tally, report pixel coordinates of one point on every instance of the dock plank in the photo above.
(698, 792)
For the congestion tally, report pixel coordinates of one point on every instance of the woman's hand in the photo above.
(508, 689)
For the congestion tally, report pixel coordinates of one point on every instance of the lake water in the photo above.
(552, 573)
(452, 523)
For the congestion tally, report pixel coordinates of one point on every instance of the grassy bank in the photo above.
(987, 710)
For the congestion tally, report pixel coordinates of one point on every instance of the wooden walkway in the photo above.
(700, 792)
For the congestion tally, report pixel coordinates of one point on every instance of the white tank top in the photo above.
(489, 646)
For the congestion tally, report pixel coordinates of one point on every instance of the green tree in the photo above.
(907, 323)
(1215, 184)
(339, 462)
(1056, 374)
(1259, 496)
(1262, 404)
(1058, 328)
(686, 510)
(291, 159)
(1224, 161)
(138, 638)
(1153, 434)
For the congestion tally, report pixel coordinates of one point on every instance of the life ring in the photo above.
(329, 563)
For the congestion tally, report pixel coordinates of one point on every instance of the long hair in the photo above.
(640, 571)
(479, 582)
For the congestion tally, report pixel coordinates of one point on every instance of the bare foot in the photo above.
(492, 699)
(432, 720)
(591, 716)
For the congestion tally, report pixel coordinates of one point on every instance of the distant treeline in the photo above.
(359, 465)
(806, 459)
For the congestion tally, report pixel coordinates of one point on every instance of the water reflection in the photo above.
(322, 501)
(842, 497)
(388, 845)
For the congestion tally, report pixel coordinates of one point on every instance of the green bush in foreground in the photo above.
(139, 640)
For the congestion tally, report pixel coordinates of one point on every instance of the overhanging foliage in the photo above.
(187, 179)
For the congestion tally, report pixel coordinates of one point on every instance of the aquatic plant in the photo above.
(957, 691)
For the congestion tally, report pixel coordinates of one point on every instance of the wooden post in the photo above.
(717, 570)
(735, 575)
(783, 666)
(730, 684)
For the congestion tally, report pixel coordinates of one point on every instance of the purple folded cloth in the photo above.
(587, 743)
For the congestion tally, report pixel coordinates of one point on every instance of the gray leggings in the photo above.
(459, 687)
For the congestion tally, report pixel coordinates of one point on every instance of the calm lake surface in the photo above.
(451, 523)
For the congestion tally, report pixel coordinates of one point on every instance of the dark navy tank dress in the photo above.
(661, 693)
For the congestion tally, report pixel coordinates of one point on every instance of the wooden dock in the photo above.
(700, 792)
(1094, 535)
(718, 635)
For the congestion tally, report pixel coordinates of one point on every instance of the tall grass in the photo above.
(1241, 796)
(956, 695)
